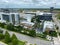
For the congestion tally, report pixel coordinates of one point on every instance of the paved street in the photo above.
(57, 22)
(56, 40)
(29, 39)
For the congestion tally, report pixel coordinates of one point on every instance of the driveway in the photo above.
(29, 39)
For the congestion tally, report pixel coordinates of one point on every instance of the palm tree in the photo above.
(36, 20)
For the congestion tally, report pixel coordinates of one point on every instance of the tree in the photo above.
(13, 37)
(53, 33)
(1, 36)
(32, 33)
(37, 21)
(10, 26)
(14, 40)
(18, 28)
(7, 37)
(2, 25)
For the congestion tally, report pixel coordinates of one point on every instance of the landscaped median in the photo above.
(10, 40)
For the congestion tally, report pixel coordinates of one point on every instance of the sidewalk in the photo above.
(1, 43)
(56, 41)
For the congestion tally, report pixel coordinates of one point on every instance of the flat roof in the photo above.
(48, 24)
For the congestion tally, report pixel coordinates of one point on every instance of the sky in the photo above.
(29, 3)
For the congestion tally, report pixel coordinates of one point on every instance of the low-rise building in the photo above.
(26, 24)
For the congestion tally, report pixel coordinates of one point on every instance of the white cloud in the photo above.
(44, 3)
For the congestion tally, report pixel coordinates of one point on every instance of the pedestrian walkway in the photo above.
(1, 43)
(28, 44)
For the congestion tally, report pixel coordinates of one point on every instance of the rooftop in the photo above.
(48, 24)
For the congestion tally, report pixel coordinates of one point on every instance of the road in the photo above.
(57, 22)
(29, 39)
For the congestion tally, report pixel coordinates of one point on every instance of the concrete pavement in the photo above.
(56, 41)
(29, 39)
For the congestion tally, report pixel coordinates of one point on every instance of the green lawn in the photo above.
(58, 16)
(19, 43)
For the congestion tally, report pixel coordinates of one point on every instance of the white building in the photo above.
(48, 24)
(11, 17)
(27, 24)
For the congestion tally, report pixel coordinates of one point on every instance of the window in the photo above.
(5, 17)
(13, 18)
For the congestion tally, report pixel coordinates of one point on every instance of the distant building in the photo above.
(51, 9)
(11, 17)
(42, 15)
(45, 16)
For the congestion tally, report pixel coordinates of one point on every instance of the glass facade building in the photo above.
(13, 18)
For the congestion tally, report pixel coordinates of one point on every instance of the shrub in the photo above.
(7, 37)
(2, 25)
(41, 35)
(32, 33)
(14, 40)
(1, 36)
(53, 33)
(10, 27)
(13, 37)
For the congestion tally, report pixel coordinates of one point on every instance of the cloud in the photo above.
(30, 3)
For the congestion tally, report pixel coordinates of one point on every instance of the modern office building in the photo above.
(45, 16)
(11, 17)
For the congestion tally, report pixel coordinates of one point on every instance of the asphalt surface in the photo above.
(29, 39)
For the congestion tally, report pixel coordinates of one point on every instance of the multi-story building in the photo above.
(45, 16)
(11, 17)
